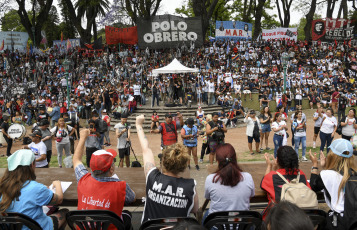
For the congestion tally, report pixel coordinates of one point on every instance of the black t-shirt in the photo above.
(168, 196)
(5, 126)
(262, 116)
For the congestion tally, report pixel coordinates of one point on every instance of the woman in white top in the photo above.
(318, 115)
(200, 116)
(299, 129)
(253, 131)
(349, 125)
(62, 133)
(328, 129)
(298, 98)
(332, 181)
(279, 127)
(229, 188)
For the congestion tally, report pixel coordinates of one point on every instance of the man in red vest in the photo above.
(101, 189)
(169, 129)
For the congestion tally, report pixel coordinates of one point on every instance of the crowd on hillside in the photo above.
(111, 84)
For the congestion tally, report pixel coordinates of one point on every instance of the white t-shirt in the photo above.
(328, 125)
(39, 149)
(319, 119)
(277, 125)
(300, 132)
(136, 89)
(61, 132)
(349, 130)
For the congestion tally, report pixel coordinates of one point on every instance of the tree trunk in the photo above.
(84, 33)
(330, 8)
(309, 19)
(258, 18)
(40, 19)
(200, 10)
(95, 32)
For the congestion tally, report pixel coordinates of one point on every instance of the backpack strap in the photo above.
(286, 181)
(283, 178)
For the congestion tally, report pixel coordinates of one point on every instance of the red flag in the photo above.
(335, 42)
(318, 42)
(350, 43)
(61, 36)
(2, 45)
(306, 43)
(344, 42)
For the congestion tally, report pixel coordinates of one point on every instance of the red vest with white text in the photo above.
(93, 194)
(169, 133)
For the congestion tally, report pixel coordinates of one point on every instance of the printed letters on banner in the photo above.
(127, 36)
(168, 31)
(280, 33)
(332, 29)
(233, 30)
(13, 39)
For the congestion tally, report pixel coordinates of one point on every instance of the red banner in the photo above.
(121, 35)
(332, 29)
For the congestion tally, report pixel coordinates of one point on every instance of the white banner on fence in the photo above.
(280, 33)
(14, 40)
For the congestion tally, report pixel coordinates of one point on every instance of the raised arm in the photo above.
(78, 153)
(148, 156)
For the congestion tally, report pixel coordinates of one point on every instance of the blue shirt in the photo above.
(33, 196)
(81, 170)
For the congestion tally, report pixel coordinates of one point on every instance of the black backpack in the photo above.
(103, 126)
(350, 209)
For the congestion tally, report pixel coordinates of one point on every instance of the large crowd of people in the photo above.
(103, 86)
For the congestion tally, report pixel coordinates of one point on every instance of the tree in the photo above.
(263, 18)
(284, 12)
(330, 8)
(38, 18)
(143, 8)
(344, 8)
(51, 28)
(85, 33)
(245, 10)
(66, 26)
(309, 17)
(12, 22)
(204, 9)
(92, 9)
(4, 8)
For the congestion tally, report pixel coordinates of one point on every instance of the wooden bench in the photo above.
(136, 179)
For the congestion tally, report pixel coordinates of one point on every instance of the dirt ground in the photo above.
(234, 136)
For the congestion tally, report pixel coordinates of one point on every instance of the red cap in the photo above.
(102, 160)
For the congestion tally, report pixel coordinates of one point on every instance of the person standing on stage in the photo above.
(169, 129)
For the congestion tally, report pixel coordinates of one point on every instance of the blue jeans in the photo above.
(278, 142)
(29, 118)
(326, 139)
(299, 140)
(153, 99)
(143, 99)
(101, 140)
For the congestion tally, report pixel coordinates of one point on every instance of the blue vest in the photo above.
(193, 141)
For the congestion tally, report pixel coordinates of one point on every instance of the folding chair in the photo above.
(13, 220)
(93, 219)
(233, 220)
(166, 223)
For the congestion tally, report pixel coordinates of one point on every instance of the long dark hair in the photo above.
(228, 172)
(11, 184)
(288, 160)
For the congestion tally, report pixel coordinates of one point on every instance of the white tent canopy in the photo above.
(175, 67)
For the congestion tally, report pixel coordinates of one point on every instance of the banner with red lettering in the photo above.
(280, 34)
(121, 35)
(233, 30)
(331, 29)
